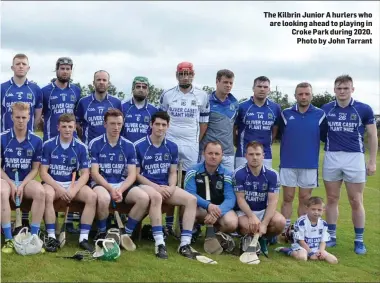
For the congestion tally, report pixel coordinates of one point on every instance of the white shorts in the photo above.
(239, 161)
(347, 166)
(302, 178)
(188, 155)
(66, 185)
(227, 162)
(259, 214)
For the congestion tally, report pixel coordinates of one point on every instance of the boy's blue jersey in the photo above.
(57, 101)
(11, 93)
(113, 161)
(19, 156)
(90, 115)
(346, 126)
(155, 162)
(300, 140)
(137, 121)
(63, 162)
(256, 188)
(255, 123)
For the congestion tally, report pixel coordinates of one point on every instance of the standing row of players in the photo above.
(197, 118)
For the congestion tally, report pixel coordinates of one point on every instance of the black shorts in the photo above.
(125, 193)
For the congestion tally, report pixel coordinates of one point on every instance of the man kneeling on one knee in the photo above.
(257, 189)
(217, 211)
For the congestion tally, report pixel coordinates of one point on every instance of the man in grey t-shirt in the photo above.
(223, 112)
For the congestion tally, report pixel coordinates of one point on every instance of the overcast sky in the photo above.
(151, 38)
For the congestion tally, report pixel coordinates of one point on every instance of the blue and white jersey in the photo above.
(313, 235)
(256, 189)
(300, 140)
(90, 115)
(113, 161)
(346, 126)
(137, 121)
(11, 93)
(57, 101)
(255, 123)
(186, 111)
(62, 162)
(19, 156)
(154, 162)
(221, 123)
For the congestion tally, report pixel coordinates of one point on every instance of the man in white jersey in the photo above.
(189, 110)
(344, 160)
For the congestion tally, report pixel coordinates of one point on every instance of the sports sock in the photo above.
(331, 229)
(50, 229)
(158, 235)
(7, 230)
(25, 216)
(34, 228)
(286, 251)
(84, 230)
(197, 227)
(359, 234)
(131, 224)
(102, 225)
(169, 221)
(70, 217)
(287, 224)
(185, 237)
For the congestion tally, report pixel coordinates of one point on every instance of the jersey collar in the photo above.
(262, 171)
(191, 90)
(25, 83)
(150, 141)
(352, 101)
(58, 141)
(105, 139)
(265, 103)
(295, 108)
(202, 169)
(94, 98)
(230, 98)
(13, 135)
(54, 85)
(132, 102)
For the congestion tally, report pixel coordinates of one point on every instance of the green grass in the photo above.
(142, 266)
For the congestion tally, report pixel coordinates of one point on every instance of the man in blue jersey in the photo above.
(217, 211)
(91, 109)
(61, 156)
(344, 159)
(300, 126)
(257, 190)
(157, 159)
(113, 174)
(223, 111)
(20, 89)
(20, 154)
(60, 97)
(257, 120)
(137, 111)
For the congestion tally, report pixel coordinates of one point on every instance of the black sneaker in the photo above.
(161, 252)
(51, 245)
(100, 235)
(188, 251)
(86, 246)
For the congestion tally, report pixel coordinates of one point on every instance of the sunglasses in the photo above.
(141, 86)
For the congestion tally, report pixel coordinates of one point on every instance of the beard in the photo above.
(63, 80)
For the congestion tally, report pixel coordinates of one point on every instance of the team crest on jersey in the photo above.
(146, 119)
(270, 116)
(353, 116)
(72, 98)
(219, 185)
(183, 102)
(29, 152)
(166, 156)
(265, 187)
(193, 103)
(120, 157)
(73, 160)
(29, 95)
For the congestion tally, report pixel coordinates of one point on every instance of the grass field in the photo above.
(142, 266)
